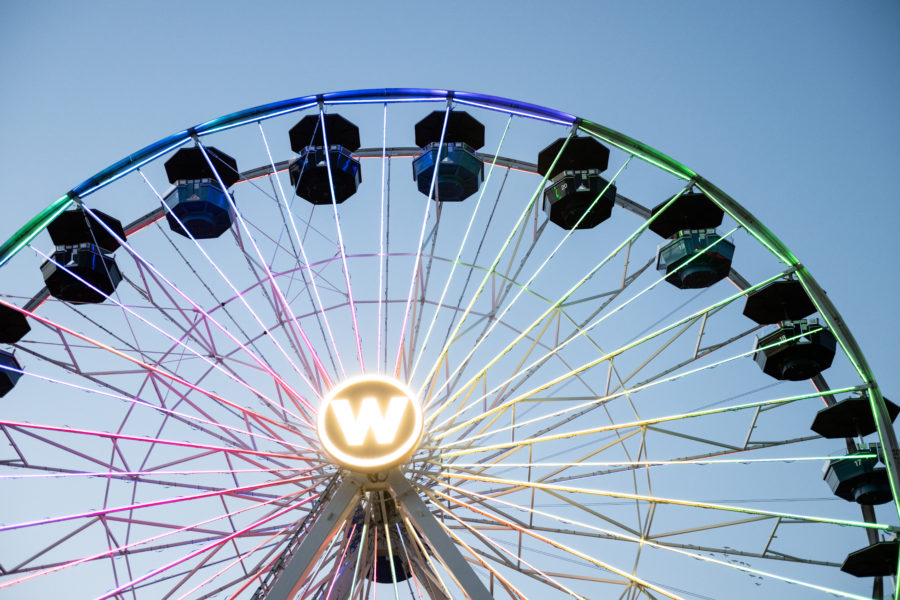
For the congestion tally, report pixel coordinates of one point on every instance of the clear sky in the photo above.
(790, 107)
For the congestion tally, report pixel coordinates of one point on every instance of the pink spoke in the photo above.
(170, 412)
(418, 261)
(239, 559)
(125, 474)
(337, 569)
(204, 549)
(149, 440)
(312, 278)
(143, 364)
(223, 329)
(181, 342)
(285, 305)
(106, 511)
(127, 547)
(337, 222)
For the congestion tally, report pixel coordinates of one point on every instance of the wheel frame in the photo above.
(742, 216)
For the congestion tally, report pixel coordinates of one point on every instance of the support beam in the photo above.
(294, 574)
(442, 545)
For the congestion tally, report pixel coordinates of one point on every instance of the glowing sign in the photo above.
(370, 423)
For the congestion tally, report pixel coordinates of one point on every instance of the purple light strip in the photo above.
(199, 309)
(139, 505)
(257, 119)
(147, 366)
(166, 411)
(382, 100)
(312, 275)
(510, 111)
(177, 341)
(122, 548)
(337, 222)
(204, 549)
(281, 298)
(136, 160)
(381, 237)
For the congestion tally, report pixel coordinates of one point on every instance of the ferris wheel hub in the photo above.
(370, 423)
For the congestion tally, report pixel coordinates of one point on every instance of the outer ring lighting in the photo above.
(400, 454)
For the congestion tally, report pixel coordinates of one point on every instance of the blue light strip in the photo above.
(267, 111)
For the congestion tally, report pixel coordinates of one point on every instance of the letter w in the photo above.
(355, 427)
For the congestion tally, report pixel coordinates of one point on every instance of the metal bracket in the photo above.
(310, 550)
(338, 508)
(440, 542)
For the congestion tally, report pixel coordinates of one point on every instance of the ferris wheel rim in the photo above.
(391, 95)
(510, 106)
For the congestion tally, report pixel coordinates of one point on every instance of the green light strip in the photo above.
(632, 146)
(823, 304)
(647, 463)
(487, 275)
(672, 501)
(455, 262)
(547, 312)
(594, 362)
(645, 541)
(619, 426)
(32, 228)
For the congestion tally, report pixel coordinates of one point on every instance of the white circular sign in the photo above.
(370, 423)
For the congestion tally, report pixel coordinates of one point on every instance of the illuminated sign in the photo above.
(370, 423)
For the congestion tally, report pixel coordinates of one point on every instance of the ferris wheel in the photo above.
(525, 356)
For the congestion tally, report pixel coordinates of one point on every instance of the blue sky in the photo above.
(791, 107)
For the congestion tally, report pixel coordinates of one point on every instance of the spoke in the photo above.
(213, 365)
(547, 579)
(238, 294)
(525, 287)
(283, 301)
(555, 306)
(672, 501)
(567, 386)
(627, 425)
(132, 547)
(490, 270)
(558, 545)
(337, 223)
(455, 262)
(106, 511)
(216, 544)
(161, 409)
(649, 463)
(381, 246)
(649, 542)
(585, 366)
(149, 368)
(337, 568)
(503, 580)
(282, 197)
(417, 262)
(363, 544)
